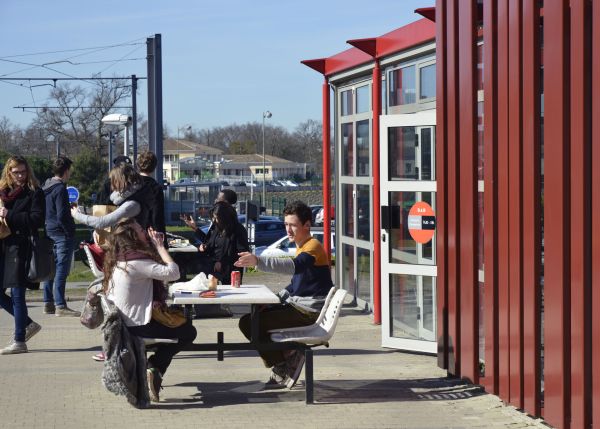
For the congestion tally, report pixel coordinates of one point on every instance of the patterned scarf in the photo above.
(8, 196)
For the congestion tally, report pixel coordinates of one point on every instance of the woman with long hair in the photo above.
(228, 238)
(132, 198)
(23, 209)
(134, 261)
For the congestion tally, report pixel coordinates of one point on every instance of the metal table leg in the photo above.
(308, 374)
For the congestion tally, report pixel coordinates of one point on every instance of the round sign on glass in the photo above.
(421, 222)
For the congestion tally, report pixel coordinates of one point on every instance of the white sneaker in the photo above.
(14, 348)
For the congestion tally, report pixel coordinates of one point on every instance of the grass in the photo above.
(80, 273)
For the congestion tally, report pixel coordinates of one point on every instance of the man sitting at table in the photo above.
(301, 300)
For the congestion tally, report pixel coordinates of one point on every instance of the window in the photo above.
(403, 86)
(347, 105)
(427, 82)
(362, 148)
(347, 150)
(363, 99)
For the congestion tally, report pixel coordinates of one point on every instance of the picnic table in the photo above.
(256, 296)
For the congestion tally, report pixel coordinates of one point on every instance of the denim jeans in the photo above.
(17, 307)
(54, 290)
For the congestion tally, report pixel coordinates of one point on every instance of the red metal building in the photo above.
(502, 151)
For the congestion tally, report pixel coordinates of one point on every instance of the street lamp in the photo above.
(119, 119)
(187, 128)
(266, 115)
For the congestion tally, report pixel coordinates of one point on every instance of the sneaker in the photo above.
(31, 329)
(278, 377)
(294, 363)
(14, 348)
(49, 308)
(67, 312)
(154, 383)
(99, 357)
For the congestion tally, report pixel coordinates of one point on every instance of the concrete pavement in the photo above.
(358, 384)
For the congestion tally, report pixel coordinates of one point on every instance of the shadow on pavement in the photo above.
(328, 392)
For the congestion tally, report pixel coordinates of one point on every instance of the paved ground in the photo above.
(358, 384)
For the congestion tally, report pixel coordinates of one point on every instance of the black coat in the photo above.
(25, 216)
(157, 211)
(225, 249)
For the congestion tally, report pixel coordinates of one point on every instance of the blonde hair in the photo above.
(123, 177)
(8, 182)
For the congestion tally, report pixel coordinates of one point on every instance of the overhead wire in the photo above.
(131, 42)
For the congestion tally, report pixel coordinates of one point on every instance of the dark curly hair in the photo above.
(300, 209)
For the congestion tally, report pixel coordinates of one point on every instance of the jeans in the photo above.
(54, 290)
(17, 307)
(276, 316)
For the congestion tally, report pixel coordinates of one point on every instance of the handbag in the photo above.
(92, 314)
(40, 265)
(170, 317)
(4, 228)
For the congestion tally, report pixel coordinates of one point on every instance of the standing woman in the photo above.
(24, 210)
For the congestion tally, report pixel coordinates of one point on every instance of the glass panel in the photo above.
(402, 86)
(348, 210)
(347, 150)
(363, 198)
(347, 106)
(427, 171)
(480, 140)
(404, 306)
(348, 268)
(480, 66)
(363, 274)
(403, 249)
(412, 307)
(362, 148)
(363, 99)
(402, 143)
(427, 77)
(428, 304)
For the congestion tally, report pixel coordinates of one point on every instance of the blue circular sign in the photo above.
(73, 194)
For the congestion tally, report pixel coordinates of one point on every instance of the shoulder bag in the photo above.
(40, 265)
(4, 228)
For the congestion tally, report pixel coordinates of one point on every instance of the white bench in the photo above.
(317, 334)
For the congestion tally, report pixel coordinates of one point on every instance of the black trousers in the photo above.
(161, 360)
(276, 317)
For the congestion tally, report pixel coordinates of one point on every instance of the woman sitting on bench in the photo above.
(133, 262)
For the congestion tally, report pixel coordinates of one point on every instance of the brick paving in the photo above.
(358, 384)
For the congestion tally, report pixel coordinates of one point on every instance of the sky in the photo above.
(224, 61)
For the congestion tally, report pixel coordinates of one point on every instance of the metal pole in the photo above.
(264, 193)
(110, 149)
(126, 141)
(57, 147)
(134, 116)
(159, 106)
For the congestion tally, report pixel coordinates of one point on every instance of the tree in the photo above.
(89, 173)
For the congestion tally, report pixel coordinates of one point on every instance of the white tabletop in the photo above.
(183, 249)
(245, 294)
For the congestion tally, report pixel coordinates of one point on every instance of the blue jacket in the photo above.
(59, 221)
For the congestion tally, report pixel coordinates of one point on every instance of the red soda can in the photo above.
(236, 278)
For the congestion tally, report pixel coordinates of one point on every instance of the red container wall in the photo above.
(541, 189)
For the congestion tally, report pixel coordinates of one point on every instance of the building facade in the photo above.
(499, 148)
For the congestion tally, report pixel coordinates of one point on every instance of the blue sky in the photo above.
(223, 61)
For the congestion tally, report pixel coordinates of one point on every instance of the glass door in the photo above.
(408, 241)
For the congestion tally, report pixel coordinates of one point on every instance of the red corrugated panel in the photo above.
(531, 208)
(405, 37)
(556, 214)
(490, 204)
(326, 168)
(503, 204)
(515, 227)
(453, 194)
(469, 338)
(595, 233)
(441, 142)
(580, 213)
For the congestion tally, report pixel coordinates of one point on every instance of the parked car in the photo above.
(283, 247)
(266, 231)
(315, 209)
(321, 214)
